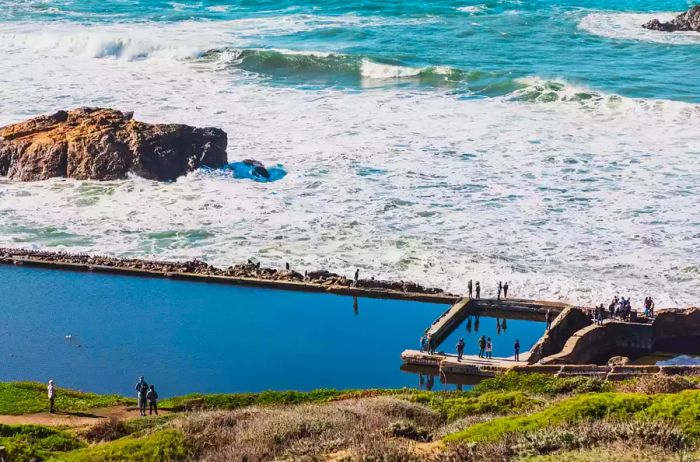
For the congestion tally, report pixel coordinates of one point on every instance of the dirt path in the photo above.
(75, 419)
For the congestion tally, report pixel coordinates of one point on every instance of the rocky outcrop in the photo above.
(105, 144)
(688, 21)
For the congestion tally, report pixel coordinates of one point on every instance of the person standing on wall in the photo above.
(478, 290)
(505, 290)
(460, 349)
(548, 319)
(469, 288)
(517, 349)
(500, 288)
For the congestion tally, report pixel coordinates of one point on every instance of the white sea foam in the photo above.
(472, 9)
(371, 70)
(628, 26)
(563, 201)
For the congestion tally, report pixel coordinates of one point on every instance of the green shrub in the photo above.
(240, 400)
(457, 406)
(24, 442)
(589, 406)
(162, 446)
(542, 384)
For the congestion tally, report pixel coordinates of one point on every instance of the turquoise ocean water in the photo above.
(553, 144)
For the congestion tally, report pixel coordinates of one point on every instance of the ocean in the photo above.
(551, 144)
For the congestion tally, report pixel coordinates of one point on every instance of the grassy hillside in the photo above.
(510, 418)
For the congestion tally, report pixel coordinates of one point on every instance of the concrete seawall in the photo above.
(307, 286)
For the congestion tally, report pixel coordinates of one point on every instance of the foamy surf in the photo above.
(628, 26)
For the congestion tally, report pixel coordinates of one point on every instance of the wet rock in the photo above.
(105, 144)
(688, 21)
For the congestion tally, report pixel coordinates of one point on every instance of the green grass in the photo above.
(24, 442)
(17, 398)
(455, 406)
(589, 406)
(164, 445)
(240, 400)
(542, 384)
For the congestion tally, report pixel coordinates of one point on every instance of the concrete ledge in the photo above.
(250, 282)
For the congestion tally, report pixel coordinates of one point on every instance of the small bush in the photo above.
(541, 384)
(657, 383)
(589, 406)
(106, 430)
(165, 446)
(409, 431)
(24, 442)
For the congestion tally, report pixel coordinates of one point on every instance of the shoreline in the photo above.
(248, 274)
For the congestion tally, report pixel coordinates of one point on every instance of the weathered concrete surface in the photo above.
(201, 272)
(449, 320)
(596, 341)
(473, 366)
(569, 321)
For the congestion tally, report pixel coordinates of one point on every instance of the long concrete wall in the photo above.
(241, 281)
(569, 321)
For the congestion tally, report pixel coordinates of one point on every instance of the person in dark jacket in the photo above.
(460, 349)
(470, 288)
(141, 391)
(482, 346)
(548, 319)
(505, 290)
(500, 289)
(478, 290)
(152, 398)
(517, 350)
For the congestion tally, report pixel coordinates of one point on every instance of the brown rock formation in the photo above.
(105, 144)
(688, 21)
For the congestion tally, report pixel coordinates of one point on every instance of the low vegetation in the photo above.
(18, 398)
(510, 418)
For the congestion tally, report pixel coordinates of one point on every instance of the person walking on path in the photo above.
(469, 288)
(548, 319)
(141, 391)
(517, 350)
(482, 346)
(51, 391)
(460, 349)
(357, 276)
(478, 290)
(500, 288)
(505, 290)
(152, 398)
(489, 348)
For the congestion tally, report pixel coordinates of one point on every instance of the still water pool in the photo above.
(187, 336)
(503, 333)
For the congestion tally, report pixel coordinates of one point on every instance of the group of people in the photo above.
(146, 396)
(475, 290)
(621, 308)
(485, 348)
(426, 343)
